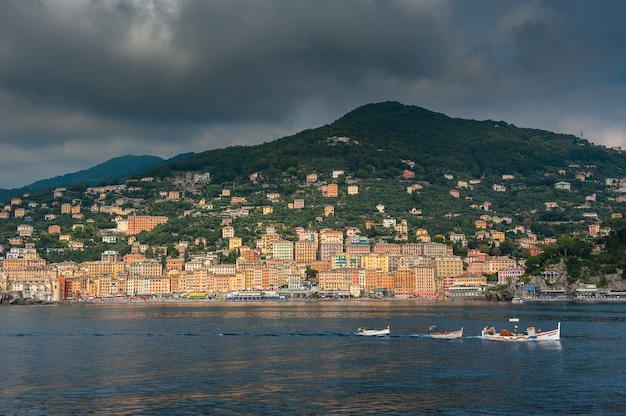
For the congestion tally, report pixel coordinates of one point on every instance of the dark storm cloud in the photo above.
(214, 60)
(88, 81)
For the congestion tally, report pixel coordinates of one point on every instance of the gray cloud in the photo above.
(84, 81)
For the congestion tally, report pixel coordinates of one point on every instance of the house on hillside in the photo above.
(563, 186)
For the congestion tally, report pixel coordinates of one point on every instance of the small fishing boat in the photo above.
(531, 334)
(374, 332)
(447, 334)
(517, 300)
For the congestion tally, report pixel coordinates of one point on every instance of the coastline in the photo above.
(225, 299)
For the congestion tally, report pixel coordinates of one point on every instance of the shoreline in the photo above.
(159, 300)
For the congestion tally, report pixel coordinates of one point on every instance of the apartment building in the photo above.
(98, 269)
(267, 242)
(359, 246)
(425, 285)
(436, 249)
(387, 248)
(147, 268)
(448, 266)
(234, 243)
(330, 191)
(336, 279)
(228, 231)
(137, 224)
(375, 261)
(495, 264)
(331, 236)
(283, 250)
(344, 261)
(305, 251)
(510, 274)
(329, 249)
(175, 263)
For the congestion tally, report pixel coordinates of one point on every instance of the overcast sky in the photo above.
(82, 82)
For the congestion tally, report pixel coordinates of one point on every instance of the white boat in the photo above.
(531, 334)
(447, 334)
(374, 332)
(517, 300)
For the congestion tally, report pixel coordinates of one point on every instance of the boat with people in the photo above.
(530, 334)
(446, 334)
(374, 332)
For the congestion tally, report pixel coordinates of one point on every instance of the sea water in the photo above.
(306, 358)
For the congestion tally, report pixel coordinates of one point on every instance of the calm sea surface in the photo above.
(304, 358)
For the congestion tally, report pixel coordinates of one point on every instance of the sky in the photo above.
(82, 82)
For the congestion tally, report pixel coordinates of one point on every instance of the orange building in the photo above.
(425, 281)
(176, 263)
(137, 224)
(405, 282)
(332, 190)
(54, 229)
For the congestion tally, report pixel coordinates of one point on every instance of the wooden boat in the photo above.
(447, 334)
(374, 332)
(531, 334)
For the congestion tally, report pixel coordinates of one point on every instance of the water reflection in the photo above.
(295, 358)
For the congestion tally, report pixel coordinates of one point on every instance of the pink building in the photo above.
(511, 274)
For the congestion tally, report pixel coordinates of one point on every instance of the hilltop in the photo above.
(377, 140)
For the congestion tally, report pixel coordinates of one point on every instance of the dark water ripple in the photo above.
(291, 358)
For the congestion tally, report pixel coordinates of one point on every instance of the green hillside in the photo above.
(382, 135)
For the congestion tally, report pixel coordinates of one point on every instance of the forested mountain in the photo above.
(376, 140)
(118, 168)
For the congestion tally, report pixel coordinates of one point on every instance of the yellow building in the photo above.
(305, 251)
(147, 268)
(234, 243)
(494, 264)
(469, 280)
(497, 235)
(95, 269)
(338, 279)
(375, 261)
(267, 242)
(159, 285)
(448, 266)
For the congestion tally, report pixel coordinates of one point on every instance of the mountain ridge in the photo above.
(383, 139)
(381, 136)
(117, 168)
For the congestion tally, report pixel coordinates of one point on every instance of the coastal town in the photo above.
(323, 263)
